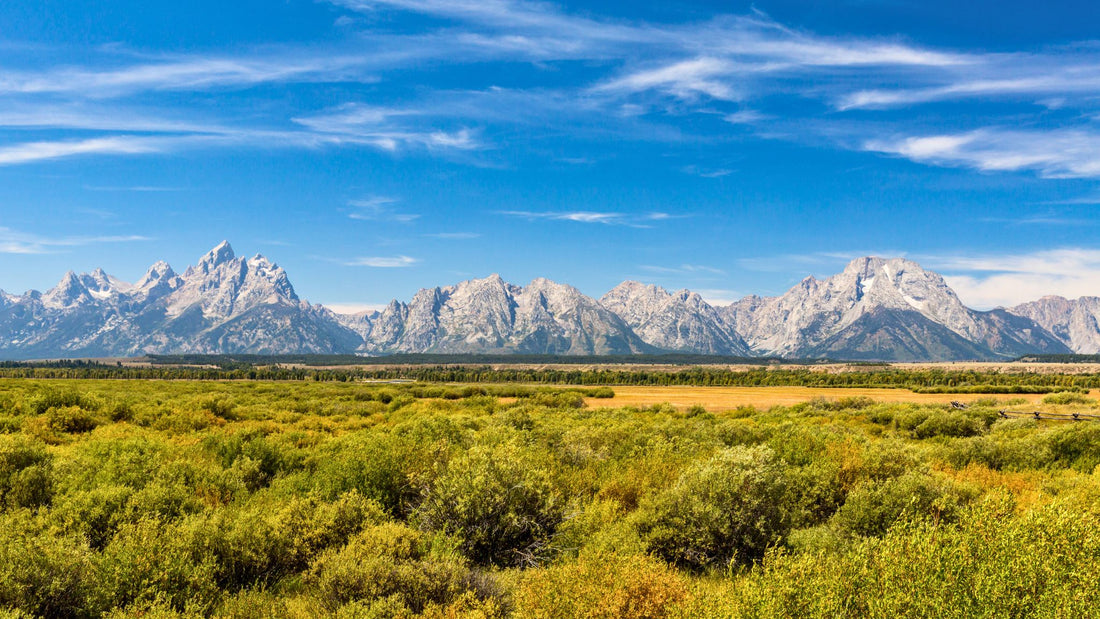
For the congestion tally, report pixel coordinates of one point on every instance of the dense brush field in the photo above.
(137, 498)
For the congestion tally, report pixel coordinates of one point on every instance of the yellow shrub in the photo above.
(601, 587)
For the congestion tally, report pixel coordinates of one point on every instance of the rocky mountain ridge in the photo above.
(490, 315)
(680, 321)
(882, 309)
(222, 304)
(1076, 323)
(874, 309)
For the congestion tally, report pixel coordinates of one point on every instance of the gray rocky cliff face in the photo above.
(680, 321)
(1076, 323)
(491, 315)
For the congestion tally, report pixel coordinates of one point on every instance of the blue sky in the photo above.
(376, 147)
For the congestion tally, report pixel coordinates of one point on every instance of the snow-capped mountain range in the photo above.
(882, 309)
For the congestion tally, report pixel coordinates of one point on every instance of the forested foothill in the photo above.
(145, 498)
(941, 378)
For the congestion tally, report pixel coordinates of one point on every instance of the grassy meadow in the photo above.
(151, 498)
(717, 399)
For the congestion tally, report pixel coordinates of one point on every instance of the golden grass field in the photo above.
(729, 398)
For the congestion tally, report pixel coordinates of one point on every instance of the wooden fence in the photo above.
(1048, 416)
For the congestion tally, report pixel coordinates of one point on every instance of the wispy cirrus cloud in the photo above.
(385, 128)
(382, 262)
(703, 172)
(998, 76)
(1004, 280)
(115, 145)
(182, 73)
(683, 269)
(719, 297)
(17, 242)
(1057, 153)
(379, 208)
(1047, 219)
(146, 137)
(686, 79)
(644, 220)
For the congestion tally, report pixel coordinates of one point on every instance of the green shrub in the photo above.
(601, 393)
(43, 574)
(121, 411)
(725, 510)
(149, 565)
(373, 465)
(602, 587)
(499, 500)
(70, 419)
(390, 562)
(10, 424)
(873, 507)
(253, 458)
(949, 424)
(26, 473)
(1068, 398)
(55, 398)
(555, 399)
(94, 515)
(696, 410)
(220, 407)
(1074, 445)
(992, 564)
(131, 461)
(854, 403)
(266, 539)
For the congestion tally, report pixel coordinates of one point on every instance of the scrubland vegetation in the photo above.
(351, 500)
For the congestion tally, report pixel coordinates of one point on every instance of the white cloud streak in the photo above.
(379, 208)
(1076, 79)
(686, 80)
(593, 217)
(719, 297)
(383, 262)
(1005, 280)
(187, 73)
(683, 269)
(1062, 153)
(16, 242)
(38, 151)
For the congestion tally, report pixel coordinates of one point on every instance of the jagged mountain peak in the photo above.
(223, 285)
(221, 254)
(673, 321)
(70, 291)
(493, 285)
(552, 287)
(808, 319)
(158, 272)
(633, 288)
(1076, 322)
(491, 315)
